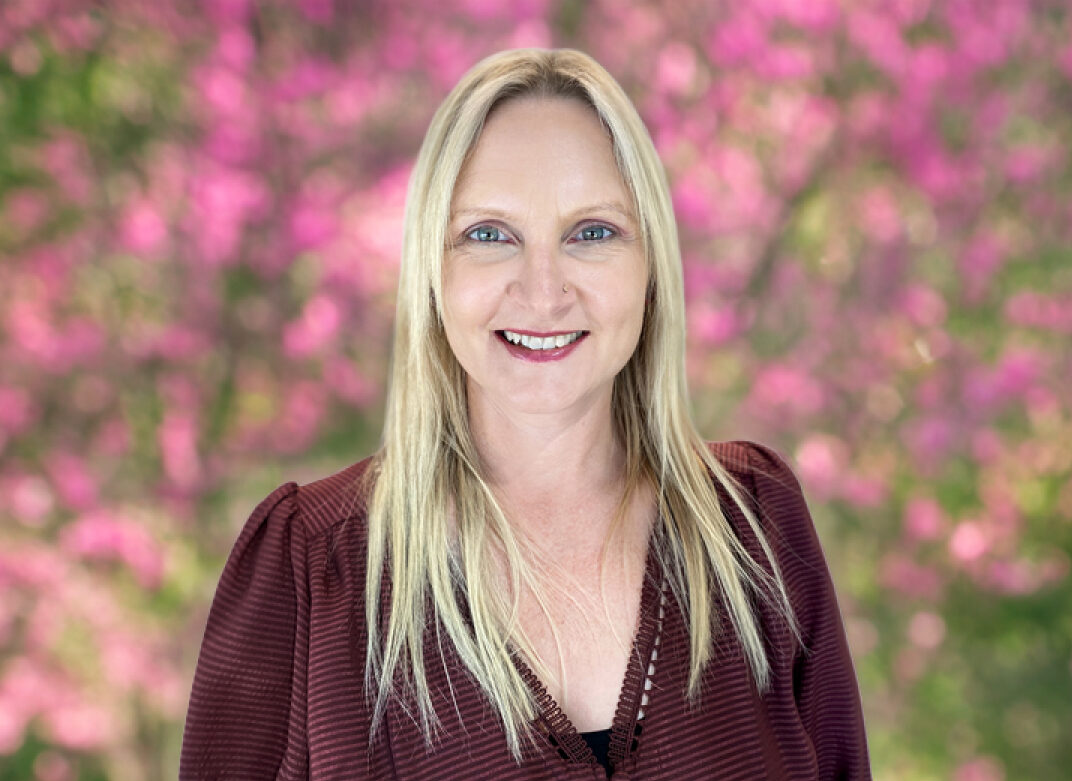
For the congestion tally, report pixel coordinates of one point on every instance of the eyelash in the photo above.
(609, 233)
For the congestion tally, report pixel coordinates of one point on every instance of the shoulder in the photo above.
(745, 456)
(291, 531)
(323, 504)
(772, 487)
(287, 521)
(774, 493)
(757, 466)
(782, 511)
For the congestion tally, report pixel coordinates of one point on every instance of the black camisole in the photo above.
(599, 742)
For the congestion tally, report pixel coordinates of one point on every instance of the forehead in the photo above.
(541, 147)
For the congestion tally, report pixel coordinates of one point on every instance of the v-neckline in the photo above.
(558, 728)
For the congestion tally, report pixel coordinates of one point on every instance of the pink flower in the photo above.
(979, 261)
(26, 209)
(713, 325)
(53, 766)
(143, 229)
(1026, 163)
(319, 11)
(740, 40)
(38, 568)
(1012, 577)
(692, 201)
(1018, 371)
(675, 70)
(929, 440)
(317, 326)
(878, 37)
(880, 215)
(986, 445)
(924, 519)
(980, 769)
(786, 62)
(984, 32)
(235, 48)
(227, 12)
(1065, 61)
(926, 630)
(787, 387)
(223, 91)
(82, 725)
(180, 342)
(312, 224)
(1037, 310)
(863, 491)
(923, 305)
(223, 201)
(900, 573)
(822, 460)
(309, 76)
(67, 161)
(343, 377)
(18, 410)
(373, 232)
(101, 535)
(1013, 378)
(929, 66)
(75, 484)
(532, 32)
(29, 498)
(303, 410)
(112, 438)
(815, 16)
(968, 542)
(177, 439)
(13, 722)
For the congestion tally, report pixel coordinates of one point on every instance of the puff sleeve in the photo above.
(247, 708)
(824, 682)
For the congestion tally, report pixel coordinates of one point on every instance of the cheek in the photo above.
(467, 303)
(631, 298)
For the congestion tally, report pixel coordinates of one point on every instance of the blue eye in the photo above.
(486, 233)
(594, 233)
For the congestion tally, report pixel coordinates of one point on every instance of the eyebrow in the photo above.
(489, 211)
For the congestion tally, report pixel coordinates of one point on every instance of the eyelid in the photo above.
(506, 232)
(613, 229)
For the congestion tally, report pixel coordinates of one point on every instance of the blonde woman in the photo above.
(544, 572)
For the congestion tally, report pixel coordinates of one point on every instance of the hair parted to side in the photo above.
(428, 470)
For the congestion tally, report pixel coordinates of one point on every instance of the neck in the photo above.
(553, 461)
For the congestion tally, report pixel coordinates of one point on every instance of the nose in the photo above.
(541, 283)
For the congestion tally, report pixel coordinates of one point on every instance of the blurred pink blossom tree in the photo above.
(200, 217)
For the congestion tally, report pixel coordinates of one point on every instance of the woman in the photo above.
(544, 572)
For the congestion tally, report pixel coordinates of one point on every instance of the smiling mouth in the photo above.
(533, 342)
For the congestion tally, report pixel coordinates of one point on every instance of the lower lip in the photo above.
(539, 356)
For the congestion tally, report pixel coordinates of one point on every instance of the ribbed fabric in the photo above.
(278, 692)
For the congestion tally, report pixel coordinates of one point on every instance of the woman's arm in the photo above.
(247, 708)
(824, 682)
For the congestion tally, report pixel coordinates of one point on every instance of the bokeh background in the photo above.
(200, 216)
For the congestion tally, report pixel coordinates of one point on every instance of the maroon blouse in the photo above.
(278, 690)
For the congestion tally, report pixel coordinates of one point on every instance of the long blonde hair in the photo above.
(428, 470)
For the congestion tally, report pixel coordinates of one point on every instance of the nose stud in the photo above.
(565, 288)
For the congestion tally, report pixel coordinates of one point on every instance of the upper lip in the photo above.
(523, 332)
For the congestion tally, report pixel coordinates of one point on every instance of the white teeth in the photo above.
(542, 343)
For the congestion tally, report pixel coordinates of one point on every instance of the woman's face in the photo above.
(544, 289)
